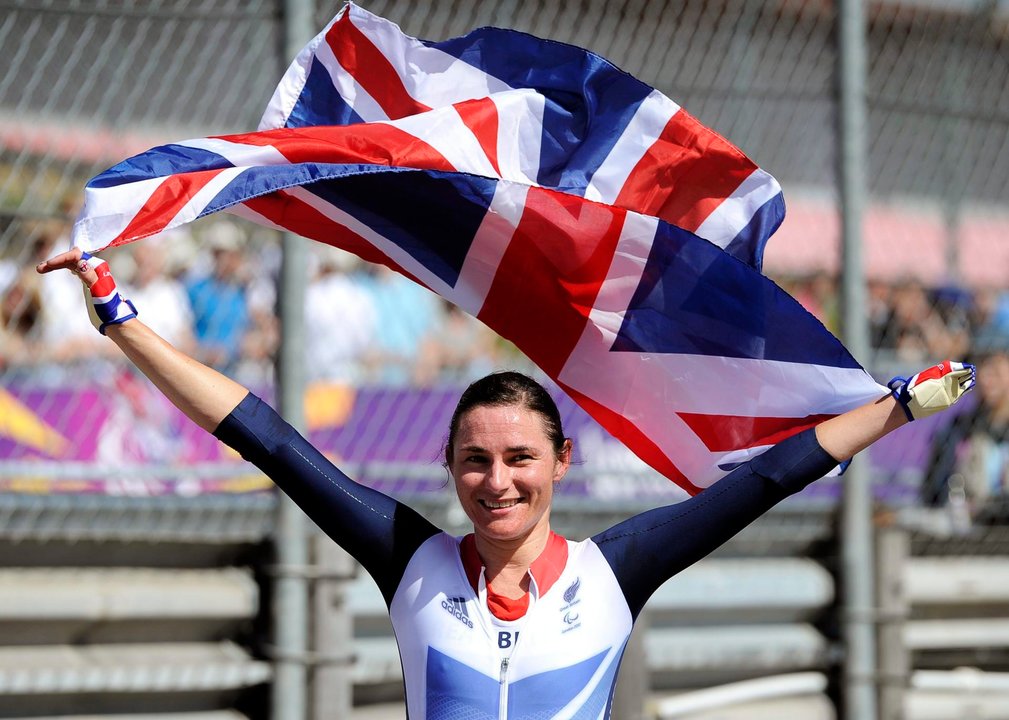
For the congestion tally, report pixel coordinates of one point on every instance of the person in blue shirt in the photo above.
(219, 303)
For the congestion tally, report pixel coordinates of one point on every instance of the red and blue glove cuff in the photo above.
(110, 306)
(898, 388)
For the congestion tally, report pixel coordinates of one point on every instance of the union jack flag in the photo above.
(573, 209)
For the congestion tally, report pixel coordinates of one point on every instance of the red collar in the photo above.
(544, 570)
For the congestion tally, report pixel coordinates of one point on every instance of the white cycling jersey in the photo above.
(557, 661)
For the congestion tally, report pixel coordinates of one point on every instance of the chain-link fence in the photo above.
(84, 84)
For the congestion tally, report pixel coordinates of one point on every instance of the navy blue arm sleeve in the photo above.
(650, 548)
(381, 533)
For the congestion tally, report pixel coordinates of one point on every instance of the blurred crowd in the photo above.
(967, 466)
(212, 291)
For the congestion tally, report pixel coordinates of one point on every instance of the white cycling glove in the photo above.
(933, 389)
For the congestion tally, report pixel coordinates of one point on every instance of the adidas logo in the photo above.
(456, 607)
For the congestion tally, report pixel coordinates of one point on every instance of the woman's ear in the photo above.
(563, 460)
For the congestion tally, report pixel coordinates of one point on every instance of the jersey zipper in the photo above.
(503, 692)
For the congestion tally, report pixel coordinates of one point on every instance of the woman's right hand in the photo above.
(106, 306)
(203, 394)
(72, 260)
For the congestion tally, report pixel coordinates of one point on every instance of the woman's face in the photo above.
(505, 468)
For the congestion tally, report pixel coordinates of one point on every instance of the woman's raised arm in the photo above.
(923, 394)
(203, 394)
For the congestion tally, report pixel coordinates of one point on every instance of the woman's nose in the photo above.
(498, 476)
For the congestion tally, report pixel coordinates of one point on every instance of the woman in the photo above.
(512, 620)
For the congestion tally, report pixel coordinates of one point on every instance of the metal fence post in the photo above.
(893, 549)
(332, 687)
(290, 594)
(856, 537)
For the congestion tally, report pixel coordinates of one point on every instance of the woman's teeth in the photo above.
(499, 504)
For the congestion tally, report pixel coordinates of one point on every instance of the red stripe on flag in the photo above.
(481, 117)
(548, 279)
(164, 204)
(366, 63)
(724, 433)
(685, 149)
(374, 144)
(642, 446)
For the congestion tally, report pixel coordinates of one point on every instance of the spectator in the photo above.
(259, 348)
(970, 457)
(340, 319)
(20, 307)
(164, 299)
(915, 331)
(878, 308)
(65, 350)
(406, 314)
(985, 313)
(218, 299)
(457, 349)
(953, 306)
(818, 294)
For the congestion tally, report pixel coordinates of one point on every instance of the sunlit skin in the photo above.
(505, 468)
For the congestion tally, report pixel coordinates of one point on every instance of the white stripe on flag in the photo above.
(640, 134)
(239, 154)
(735, 213)
(591, 362)
(431, 77)
(445, 131)
(520, 134)
(288, 90)
(489, 246)
(349, 89)
(246, 213)
(108, 211)
(198, 203)
(482, 259)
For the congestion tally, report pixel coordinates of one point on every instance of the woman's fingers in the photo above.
(68, 260)
(71, 260)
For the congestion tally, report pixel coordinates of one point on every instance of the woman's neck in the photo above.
(506, 562)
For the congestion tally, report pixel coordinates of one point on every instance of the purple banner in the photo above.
(126, 439)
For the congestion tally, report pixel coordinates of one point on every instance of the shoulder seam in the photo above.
(336, 484)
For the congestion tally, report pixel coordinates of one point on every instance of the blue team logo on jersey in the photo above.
(572, 591)
(571, 617)
(456, 607)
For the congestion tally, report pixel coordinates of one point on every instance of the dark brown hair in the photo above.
(503, 389)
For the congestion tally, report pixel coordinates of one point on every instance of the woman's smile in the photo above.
(505, 467)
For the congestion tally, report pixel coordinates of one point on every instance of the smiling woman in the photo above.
(506, 452)
(512, 620)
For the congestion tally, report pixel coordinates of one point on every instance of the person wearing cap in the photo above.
(218, 299)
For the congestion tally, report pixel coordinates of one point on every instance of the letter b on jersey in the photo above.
(506, 639)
